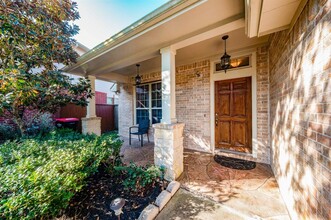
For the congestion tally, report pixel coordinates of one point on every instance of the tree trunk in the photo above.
(20, 124)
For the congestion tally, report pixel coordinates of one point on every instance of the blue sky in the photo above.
(100, 19)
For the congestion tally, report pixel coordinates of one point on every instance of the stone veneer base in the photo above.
(91, 125)
(168, 149)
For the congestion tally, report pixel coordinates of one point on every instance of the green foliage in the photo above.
(39, 176)
(39, 124)
(139, 177)
(34, 35)
(7, 132)
(37, 33)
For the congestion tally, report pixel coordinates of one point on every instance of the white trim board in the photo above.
(233, 74)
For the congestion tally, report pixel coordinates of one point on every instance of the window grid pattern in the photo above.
(156, 102)
(149, 102)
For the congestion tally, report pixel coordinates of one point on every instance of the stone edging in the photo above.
(152, 210)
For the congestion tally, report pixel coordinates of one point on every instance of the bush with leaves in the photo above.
(38, 123)
(137, 178)
(7, 132)
(35, 36)
(39, 176)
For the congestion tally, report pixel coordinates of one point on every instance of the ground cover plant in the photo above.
(137, 178)
(39, 176)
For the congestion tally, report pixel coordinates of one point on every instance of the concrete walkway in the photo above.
(187, 205)
(211, 191)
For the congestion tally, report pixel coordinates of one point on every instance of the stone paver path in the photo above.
(211, 191)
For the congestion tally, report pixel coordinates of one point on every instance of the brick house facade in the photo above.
(193, 105)
(295, 123)
(290, 74)
(300, 112)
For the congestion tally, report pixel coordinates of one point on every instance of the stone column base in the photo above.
(91, 125)
(168, 149)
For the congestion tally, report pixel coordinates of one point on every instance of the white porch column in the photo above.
(90, 109)
(168, 69)
(168, 135)
(91, 123)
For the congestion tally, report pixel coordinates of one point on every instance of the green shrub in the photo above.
(41, 123)
(139, 177)
(7, 132)
(39, 176)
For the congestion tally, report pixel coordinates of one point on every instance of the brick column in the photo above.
(91, 123)
(168, 149)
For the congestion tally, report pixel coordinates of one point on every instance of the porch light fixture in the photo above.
(138, 77)
(225, 59)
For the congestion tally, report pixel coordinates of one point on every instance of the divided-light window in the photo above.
(149, 102)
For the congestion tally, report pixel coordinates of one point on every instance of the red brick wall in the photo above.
(100, 97)
(300, 112)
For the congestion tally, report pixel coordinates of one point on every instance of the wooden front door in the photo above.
(233, 114)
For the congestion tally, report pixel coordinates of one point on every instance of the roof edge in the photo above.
(138, 26)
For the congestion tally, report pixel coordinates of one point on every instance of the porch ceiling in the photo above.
(174, 28)
(268, 16)
(193, 28)
(212, 47)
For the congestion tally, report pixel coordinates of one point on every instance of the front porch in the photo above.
(251, 193)
(273, 106)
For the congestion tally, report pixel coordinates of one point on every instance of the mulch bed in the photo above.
(93, 202)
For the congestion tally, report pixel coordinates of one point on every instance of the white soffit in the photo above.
(267, 16)
(199, 20)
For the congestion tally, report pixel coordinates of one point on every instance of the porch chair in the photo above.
(143, 127)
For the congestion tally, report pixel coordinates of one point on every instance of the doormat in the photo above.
(234, 163)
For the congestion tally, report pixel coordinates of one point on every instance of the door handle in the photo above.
(216, 119)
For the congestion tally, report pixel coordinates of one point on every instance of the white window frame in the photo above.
(150, 108)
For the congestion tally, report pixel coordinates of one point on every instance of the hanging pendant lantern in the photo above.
(138, 77)
(225, 59)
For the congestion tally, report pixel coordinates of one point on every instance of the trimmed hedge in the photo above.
(38, 177)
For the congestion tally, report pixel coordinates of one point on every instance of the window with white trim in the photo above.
(149, 102)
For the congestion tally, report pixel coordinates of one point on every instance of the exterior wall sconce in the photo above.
(225, 59)
(138, 77)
